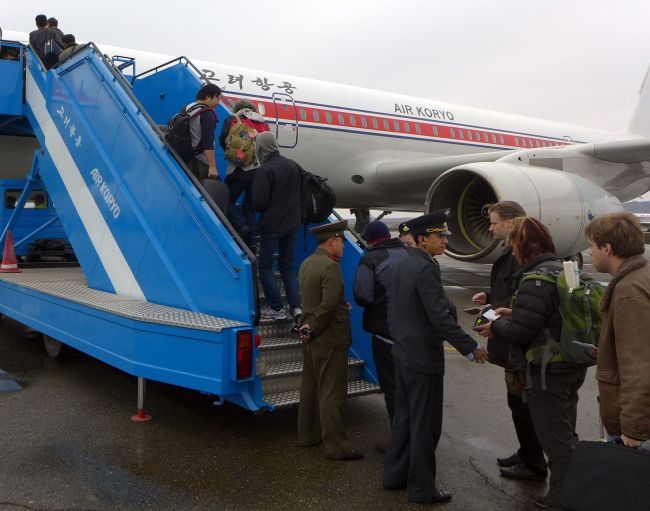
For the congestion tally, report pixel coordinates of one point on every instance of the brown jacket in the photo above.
(323, 303)
(623, 371)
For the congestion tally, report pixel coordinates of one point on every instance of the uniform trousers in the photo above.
(417, 426)
(381, 353)
(530, 451)
(322, 399)
(554, 413)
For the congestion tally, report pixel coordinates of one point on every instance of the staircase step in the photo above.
(275, 350)
(274, 328)
(292, 397)
(286, 376)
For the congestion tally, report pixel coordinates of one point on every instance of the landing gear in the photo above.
(362, 216)
(54, 348)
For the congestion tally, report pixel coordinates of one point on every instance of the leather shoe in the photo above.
(351, 455)
(523, 472)
(440, 496)
(510, 461)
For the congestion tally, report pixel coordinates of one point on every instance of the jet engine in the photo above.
(564, 202)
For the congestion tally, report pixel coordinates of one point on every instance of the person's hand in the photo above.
(630, 442)
(304, 332)
(485, 330)
(504, 312)
(480, 298)
(212, 172)
(480, 355)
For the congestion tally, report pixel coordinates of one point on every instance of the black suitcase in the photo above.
(607, 477)
(218, 192)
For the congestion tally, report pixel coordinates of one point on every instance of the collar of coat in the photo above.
(324, 252)
(628, 266)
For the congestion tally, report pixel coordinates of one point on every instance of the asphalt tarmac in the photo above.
(66, 441)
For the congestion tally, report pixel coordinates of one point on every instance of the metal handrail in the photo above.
(360, 241)
(206, 197)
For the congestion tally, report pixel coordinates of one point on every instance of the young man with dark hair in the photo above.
(69, 46)
(528, 462)
(53, 25)
(41, 35)
(202, 129)
(617, 247)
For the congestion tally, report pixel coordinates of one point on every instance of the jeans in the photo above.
(285, 244)
(242, 217)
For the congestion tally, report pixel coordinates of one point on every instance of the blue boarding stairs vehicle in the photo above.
(165, 289)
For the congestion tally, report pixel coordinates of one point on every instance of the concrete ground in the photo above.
(66, 441)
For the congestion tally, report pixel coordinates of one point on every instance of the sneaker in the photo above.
(296, 314)
(523, 472)
(510, 461)
(271, 313)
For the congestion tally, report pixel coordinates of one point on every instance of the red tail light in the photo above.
(258, 341)
(244, 354)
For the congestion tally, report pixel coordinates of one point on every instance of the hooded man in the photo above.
(276, 195)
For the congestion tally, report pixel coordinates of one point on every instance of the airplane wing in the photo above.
(620, 151)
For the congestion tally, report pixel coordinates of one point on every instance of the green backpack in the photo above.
(240, 143)
(581, 324)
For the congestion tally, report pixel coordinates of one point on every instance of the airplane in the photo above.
(396, 152)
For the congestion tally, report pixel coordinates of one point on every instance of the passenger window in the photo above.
(435, 131)
(461, 135)
(501, 141)
(364, 122)
(418, 130)
(494, 138)
(516, 140)
(303, 114)
(375, 124)
(478, 136)
(316, 115)
(453, 132)
(386, 125)
(260, 108)
(396, 125)
(341, 119)
(469, 135)
(328, 117)
(485, 137)
(353, 120)
(37, 199)
(407, 127)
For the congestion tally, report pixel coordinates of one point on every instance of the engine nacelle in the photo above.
(564, 202)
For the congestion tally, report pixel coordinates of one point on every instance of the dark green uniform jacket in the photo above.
(323, 303)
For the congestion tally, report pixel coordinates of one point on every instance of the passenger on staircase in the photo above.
(240, 176)
(53, 25)
(202, 129)
(276, 195)
(371, 291)
(326, 339)
(69, 46)
(43, 39)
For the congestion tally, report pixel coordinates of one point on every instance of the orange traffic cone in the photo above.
(9, 261)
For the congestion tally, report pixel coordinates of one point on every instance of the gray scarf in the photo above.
(628, 266)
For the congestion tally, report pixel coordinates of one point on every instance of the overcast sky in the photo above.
(576, 61)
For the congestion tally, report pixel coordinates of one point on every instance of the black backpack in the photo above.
(179, 136)
(50, 46)
(317, 198)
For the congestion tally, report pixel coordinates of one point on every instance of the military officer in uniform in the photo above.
(326, 337)
(421, 317)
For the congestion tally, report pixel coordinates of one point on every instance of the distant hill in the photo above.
(637, 207)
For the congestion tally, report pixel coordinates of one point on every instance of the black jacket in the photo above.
(537, 306)
(503, 284)
(276, 194)
(372, 284)
(420, 317)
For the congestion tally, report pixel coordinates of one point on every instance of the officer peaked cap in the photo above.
(431, 223)
(326, 231)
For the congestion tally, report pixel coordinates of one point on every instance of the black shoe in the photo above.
(510, 461)
(521, 471)
(351, 455)
(440, 496)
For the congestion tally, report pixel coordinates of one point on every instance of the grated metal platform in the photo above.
(69, 284)
(292, 397)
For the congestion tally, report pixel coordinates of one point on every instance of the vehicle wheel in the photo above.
(54, 348)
